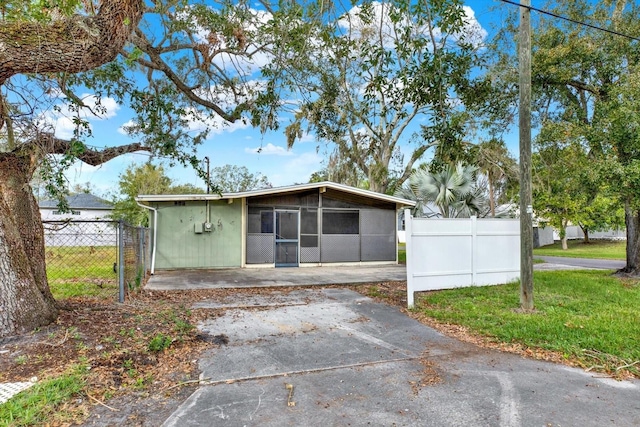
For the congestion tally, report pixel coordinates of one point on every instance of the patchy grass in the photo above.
(588, 317)
(41, 403)
(604, 249)
(402, 253)
(96, 351)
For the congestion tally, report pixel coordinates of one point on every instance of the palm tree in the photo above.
(453, 190)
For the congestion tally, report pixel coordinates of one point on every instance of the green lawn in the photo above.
(402, 253)
(605, 249)
(587, 316)
(74, 271)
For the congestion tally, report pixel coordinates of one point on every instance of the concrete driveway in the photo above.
(331, 357)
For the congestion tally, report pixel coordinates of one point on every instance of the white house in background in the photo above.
(83, 206)
(84, 225)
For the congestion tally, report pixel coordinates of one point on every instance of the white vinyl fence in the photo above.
(451, 253)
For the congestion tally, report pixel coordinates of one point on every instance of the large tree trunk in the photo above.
(632, 221)
(25, 297)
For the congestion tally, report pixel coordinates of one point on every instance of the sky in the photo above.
(234, 144)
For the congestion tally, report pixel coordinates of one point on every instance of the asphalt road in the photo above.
(332, 357)
(606, 264)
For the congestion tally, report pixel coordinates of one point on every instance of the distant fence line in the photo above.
(99, 252)
(448, 253)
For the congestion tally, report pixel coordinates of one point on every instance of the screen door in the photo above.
(287, 232)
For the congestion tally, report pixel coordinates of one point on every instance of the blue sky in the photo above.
(235, 144)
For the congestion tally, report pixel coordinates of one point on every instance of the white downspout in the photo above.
(155, 234)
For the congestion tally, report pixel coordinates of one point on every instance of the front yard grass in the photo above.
(604, 249)
(588, 317)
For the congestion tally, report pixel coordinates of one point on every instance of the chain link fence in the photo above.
(97, 258)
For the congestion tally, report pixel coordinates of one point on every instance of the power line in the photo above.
(574, 21)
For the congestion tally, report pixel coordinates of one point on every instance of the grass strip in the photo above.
(587, 316)
(602, 249)
(41, 403)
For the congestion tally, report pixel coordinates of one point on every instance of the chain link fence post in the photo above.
(121, 265)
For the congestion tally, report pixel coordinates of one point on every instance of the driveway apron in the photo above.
(332, 357)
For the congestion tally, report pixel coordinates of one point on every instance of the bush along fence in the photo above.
(451, 253)
(95, 257)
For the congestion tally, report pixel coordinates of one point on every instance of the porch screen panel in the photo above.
(309, 239)
(378, 235)
(340, 236)
(260, 236)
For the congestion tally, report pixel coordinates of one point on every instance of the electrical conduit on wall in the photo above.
(155, 234)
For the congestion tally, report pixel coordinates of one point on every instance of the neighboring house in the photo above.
(83, 206)
(307, 224)
(83, 225)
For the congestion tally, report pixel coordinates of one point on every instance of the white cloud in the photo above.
(216, 125)
(228, 99)
(63, 127)
(298, 169)
(356, 25)
(306, 137)
(269, 149)
(473, 30)
(104, 108)
(122, 129)
(61, 121)
(217, 43)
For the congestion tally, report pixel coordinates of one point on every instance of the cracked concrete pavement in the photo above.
(350, 361)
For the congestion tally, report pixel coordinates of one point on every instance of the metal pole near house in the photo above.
(121, 261)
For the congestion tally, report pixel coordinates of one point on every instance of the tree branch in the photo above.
(69, 44)
(155, 62)
(49, 144)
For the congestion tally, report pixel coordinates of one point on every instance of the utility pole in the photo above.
(206, 159)
(526, 207)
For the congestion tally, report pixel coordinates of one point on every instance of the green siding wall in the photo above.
(180, 247)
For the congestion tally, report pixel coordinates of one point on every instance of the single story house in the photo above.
(86, 224)
(83, 206)
(300, 225)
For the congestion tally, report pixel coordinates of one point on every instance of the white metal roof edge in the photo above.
(148, 198)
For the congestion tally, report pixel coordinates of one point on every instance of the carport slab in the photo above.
(168, 280)
(332, 329)
(352, 361)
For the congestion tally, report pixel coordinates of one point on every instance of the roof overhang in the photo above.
(320, 186)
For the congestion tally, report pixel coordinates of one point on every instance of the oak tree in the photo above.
(184, 68)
